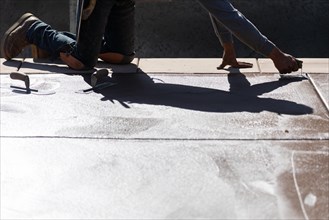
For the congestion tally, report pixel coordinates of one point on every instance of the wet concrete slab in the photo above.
(59, 178)
(164, 145)
(234, 106)
(311, 178)
(321, 85)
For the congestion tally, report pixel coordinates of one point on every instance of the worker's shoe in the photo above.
(15, 38)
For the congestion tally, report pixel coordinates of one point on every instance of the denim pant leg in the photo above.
(119, 34)
(91, 33)
(50, 40)
(224, 35)
(238, 25)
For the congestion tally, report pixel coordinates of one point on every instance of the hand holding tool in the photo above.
(295, 75)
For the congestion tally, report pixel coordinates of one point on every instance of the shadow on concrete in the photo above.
(12, 63)
(57, 66)
(242, 97)
(140, 88)
(46, 65)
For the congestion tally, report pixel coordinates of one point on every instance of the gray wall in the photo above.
(181, 28)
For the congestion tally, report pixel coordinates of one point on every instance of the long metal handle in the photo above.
(80, 4)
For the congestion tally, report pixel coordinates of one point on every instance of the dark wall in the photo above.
(181, 28)
(54, 12)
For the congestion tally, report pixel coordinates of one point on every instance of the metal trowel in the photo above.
(97, 75)
(25, 78)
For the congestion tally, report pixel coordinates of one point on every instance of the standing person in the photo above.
(228, 21)
(108, 33)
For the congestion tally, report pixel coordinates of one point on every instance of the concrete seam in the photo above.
(258, 65)
(297, 187)
(165, 139)
(318, 92)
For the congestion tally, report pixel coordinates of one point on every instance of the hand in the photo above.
(285, 63)
(229, 58)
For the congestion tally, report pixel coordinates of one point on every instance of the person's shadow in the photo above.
(140, 88)
(242, 97)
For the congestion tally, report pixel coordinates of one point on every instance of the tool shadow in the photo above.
(242, 96)
(58, 67)
(140, 88)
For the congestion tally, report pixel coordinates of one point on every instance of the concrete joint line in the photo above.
(164, 139)
(318, 92)
(258, 65)
(297, 187)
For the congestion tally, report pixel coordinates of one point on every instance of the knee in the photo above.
(72, 62)
(116, 58)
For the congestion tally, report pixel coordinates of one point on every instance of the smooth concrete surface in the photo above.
(58, 178)
(200, 107)
(185, 145)
(321, 85)
(316, 69)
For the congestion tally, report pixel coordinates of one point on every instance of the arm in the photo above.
(238, 25)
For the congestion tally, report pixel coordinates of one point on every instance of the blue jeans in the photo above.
(110, 28)
(227, 20)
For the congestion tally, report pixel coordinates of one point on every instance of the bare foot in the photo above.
(235, 64)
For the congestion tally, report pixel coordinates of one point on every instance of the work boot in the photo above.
(15, 38)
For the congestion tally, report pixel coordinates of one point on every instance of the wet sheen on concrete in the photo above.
(237, 145)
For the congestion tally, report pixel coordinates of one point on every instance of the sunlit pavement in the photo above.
(171, 139)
